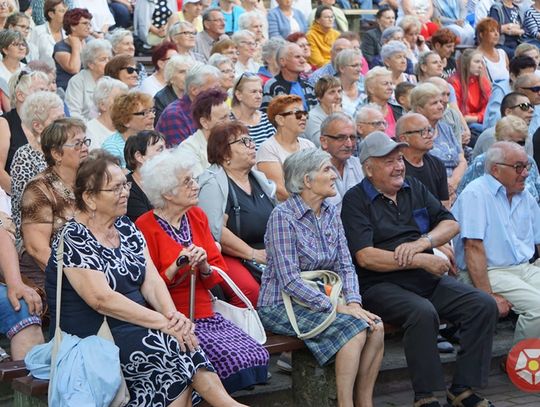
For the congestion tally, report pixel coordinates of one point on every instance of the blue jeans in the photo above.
(121, 15)
(11, 321)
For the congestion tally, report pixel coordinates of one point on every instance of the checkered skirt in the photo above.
(324, 346)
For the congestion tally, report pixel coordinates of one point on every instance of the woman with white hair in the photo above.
(348, 64)
(38, 111)
(394, 57)
(411, 35)
(246, 45)
(183, 34)
(81, 87)
(269, 50)
(101, 127)
(12, 135)
(303, 234)
(226, 67)
(175, 75)
(122, 43)
(255, 21)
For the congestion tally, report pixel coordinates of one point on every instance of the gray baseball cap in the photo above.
(378, 144)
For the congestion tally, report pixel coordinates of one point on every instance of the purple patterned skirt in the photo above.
(238, 359)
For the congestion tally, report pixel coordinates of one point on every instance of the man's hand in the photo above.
(448, 251)
(28, 294)
(405, 252)
(503, 305)
(434, 264)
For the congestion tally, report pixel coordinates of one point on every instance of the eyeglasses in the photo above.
(249, 43)
(79, 144)
(534, 89)
(145, 112)
(524, 106)
(378, 123)
(18, 44)
(298, 114)
(118, 189)
(189, 33)
(518, 167)
(247, 141)
(188, 182)
(342, 138)
(85, 23)
(226, 71)
(130, 69)
(425, 132)
(23, 27)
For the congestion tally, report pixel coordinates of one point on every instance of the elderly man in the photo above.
(338, 138)
(369, 118)
(392, 224)
(329, 70)
(291, 62)
(176, 122)
(191, 12)
(213, 31)
(500, 229)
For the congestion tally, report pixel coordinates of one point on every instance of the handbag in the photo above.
(330, 284)
(80, 371)
(247, 318)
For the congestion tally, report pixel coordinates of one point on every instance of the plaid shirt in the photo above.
(176, 122)
(295, 241)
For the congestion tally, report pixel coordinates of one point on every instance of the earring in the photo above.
(228, 162)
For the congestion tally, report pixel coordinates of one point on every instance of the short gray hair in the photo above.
(363, 111)
(174, 64)
(179, 26)
(118, 35)
(302, 163)
(335, 117)
(497, 153)
(37, 107)
(198, 73)
(22, 80)
(390, 32)
(283, 51)
(242, 35)
(159, 175)
(422, 93)
(271, 47)
(104, 88)
(245, 19)
(346, 57)
(92, 49)
(218, 59)
(391, 48)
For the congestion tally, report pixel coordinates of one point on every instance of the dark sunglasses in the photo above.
(130, 69)
(524, 106)
(534, 89)
(298, 114)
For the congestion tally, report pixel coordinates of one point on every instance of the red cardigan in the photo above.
(477, 100)
(164, 250)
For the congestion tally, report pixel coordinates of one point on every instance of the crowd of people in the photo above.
(265, 140)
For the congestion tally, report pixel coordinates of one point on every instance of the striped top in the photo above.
(531, 22)
(260, 132)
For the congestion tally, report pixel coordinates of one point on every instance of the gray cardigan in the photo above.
(214, 191)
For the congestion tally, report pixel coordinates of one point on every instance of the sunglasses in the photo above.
(298, 114)
(130, 69)
(518, 167)
(534, 89)
(524, 106)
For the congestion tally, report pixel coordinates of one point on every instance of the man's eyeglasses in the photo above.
(534, 89)
(130, 69)
(298, 114)
(524, 106)
(425, 132)
(79, 144)
(518, 167)
(342, 138)
(247, 141)
(189, 33)
(379, 123)
(118, 189)
(146, 112)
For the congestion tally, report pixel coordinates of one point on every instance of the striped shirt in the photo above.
(531, 22)
(261, 131)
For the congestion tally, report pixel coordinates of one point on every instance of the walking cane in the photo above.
(192, 281)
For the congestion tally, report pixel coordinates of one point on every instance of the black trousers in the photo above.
(474, 311)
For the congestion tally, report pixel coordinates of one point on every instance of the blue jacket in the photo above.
(279, 25)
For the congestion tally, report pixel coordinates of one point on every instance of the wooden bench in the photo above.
(354, 17)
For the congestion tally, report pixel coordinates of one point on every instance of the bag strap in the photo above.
(233, 286)
(236, 207)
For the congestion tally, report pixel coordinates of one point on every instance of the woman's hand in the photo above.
(74, 42)
(198, 258)
(178, 322)
(357, 311)
(259, 256)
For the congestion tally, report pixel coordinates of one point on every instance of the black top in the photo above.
(372, 220)
(536, 146)
(138, 202)
(255, 210)
(17, 138)
(162, 99)
(432, 174)
(450, 68)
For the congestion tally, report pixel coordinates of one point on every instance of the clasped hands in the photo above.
(183, 329)
(433, 264)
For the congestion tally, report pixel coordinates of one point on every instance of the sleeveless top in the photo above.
(497, 71)
(17, 138)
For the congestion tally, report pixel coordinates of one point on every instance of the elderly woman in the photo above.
(348, 64)
(287, 114)
(225, 47)
(44, 36)
(14, 49)
(80, 90)
(284, 20)
(130, 114)
(496, 60)
(247, 46)
(67, 52)
(321, 36)
(270, 66)
(48, 201)
(429, 64)
(255, 22)
(426, 99)
(394, 57)
(183, 35)
(329, 94)
(22, 23)
(411, 35)
(122, 43)
(371, 44)
(232, 182)
(246, 102)
(152, 19)
(38, 111)
(160, 55)
(101, 127)
(379, 88)
(209, 109)
(12, 135)
(315, 240)
(300, 39)
(452, 14)
(124, 68)
(226, 67)
(175, 228)
(109, 272)
(140, 148)
(175, 75)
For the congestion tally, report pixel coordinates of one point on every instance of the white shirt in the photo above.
(101, 14)
(151, 86)
(5, 74)
(43, 41)
(352, 175)
(97, 132)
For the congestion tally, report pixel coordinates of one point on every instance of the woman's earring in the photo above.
(228, 162)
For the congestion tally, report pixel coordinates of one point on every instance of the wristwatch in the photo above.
(429, 238)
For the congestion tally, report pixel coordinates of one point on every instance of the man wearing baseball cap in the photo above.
(392, 223)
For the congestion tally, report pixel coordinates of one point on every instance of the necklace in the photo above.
(182, 234)
(60, 187)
